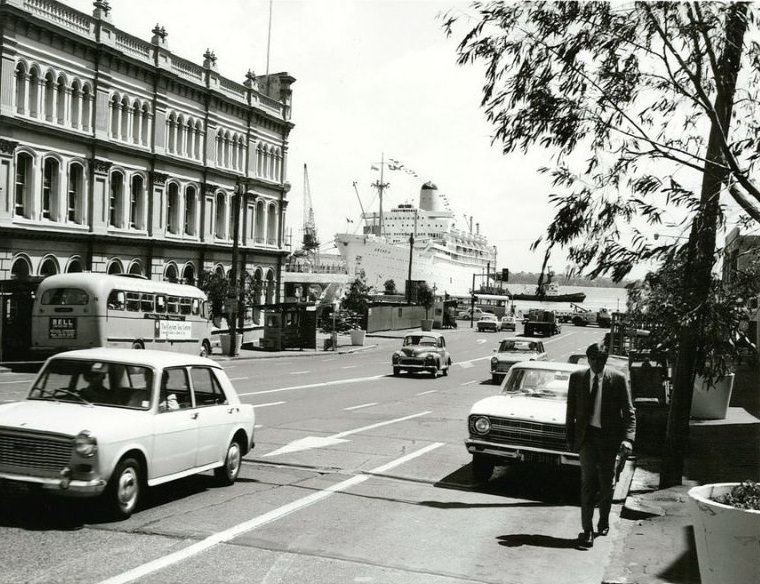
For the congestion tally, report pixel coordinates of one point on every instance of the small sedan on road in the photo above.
(424, 351)
(525, 422)
(488, 322)
(514, 350)
(508, 323)
(112, 422)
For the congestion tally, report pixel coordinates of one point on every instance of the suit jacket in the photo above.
(618, 416)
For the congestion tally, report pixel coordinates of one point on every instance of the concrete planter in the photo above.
(426, 324)
(727, 538)
(711, 402)
(357, 337)
(226, 342)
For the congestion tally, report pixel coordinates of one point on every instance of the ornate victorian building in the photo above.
(118, 156)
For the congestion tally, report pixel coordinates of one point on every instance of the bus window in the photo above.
(116, 300)
(172, 305)
(206, 310)
(185, 305)
(133, 301)
(160, 303)
(196, 306)
(65, 296)
(146, 302)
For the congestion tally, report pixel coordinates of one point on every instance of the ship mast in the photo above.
(381, 186)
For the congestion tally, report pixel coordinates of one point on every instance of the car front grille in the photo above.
(522, 433)
(504, 366)
(33, 452)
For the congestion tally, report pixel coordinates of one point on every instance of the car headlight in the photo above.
(396, 357)
(494, 361)
(482, 425)
(85, 444)
(429, 357)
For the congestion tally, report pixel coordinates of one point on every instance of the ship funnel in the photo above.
(430, 200)
(477, 229)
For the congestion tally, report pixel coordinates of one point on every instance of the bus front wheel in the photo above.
(137, 345)
(205, 349)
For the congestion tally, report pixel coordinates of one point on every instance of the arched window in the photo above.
(34, 93)
(145, 133)
(115, 117)
(75, 266)
(221, 212)
(23, 186)
(49, 267)
(170, 273)
(190, 210)
(75, 194)
(22, 89)
(180, 131)
(86, 108)
(50, 173)
(272, 225)
(50, 87)
(188, 275)
(125, 112)
(172, 209)
(76, 105)
(116, 201)
(260, 234)
(136, 268)
(61, 92)
(21, 268)
(137, 203)
(115, 267)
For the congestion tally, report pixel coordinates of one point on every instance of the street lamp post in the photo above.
(233, 297)
(409, 279)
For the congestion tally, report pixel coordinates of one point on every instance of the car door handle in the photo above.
(194, 415)
(231, 410)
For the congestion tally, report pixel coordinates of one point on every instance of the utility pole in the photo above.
(409, 279)
(234, 293)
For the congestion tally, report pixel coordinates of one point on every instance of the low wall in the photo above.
(391, 318)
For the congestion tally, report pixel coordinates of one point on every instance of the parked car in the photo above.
(113, 422)
(468, 314)
(525, 422)
(423, 351)
(508, 323)
(514, 350)
(488, 322)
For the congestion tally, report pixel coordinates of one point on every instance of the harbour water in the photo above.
(613, 299)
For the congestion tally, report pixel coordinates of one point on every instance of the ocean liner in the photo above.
(442, 255)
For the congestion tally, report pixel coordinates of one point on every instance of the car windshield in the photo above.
(541, 383)
(513, 345)
(95, 383)
(424, 340)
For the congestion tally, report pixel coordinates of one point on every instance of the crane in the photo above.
(310, 241)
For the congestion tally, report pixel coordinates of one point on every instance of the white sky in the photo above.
(373, 77)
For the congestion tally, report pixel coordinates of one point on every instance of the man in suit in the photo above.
(600, 423)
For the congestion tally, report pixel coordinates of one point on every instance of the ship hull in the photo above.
(570, 297)
(381, 261)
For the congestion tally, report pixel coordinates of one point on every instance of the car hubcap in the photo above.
(127, 490)
(233, 460)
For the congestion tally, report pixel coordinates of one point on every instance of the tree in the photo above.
(425, 297)
(649, 91)
(216, 288)
(390, 287)
(356, 298)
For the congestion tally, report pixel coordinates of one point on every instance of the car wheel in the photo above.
(482, 467)
(445, 371)
(396, 371)
(229, 471)
(137, 345)
(123, 492)
(205, 349)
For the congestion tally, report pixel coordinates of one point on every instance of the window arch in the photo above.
(76, 105)
(124, 110)
(219, 270)
(220, 216)
(170, 272)
(49, 266)
(115, 267)
(191, 206)
(188, 274)
(75, 194)
(34, 93)
(272, 224)
(172, 209)
(22, 88)
(137, 202)
(21, 268)
(49, 96)
(50, 180)
(179, 130)
(61, 92)
(136, 268)
(23, 185)
(116, 200)
(74, 265)
(260, 234)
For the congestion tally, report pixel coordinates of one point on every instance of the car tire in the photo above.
(482, 467)
(137, 345)
(445, 371)
(205, 349)
(396, 371)
(227, 474)
(124, 488)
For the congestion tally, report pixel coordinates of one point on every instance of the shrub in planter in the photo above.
(745, 495)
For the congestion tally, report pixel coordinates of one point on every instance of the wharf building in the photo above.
(118, 156)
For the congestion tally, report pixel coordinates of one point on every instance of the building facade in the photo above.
(118, 156)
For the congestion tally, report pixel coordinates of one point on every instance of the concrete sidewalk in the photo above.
(655, 542)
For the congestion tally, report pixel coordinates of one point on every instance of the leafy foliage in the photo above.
(745, 495)
(216, 288)
(357, 297)
(425, 297)
(389, 286)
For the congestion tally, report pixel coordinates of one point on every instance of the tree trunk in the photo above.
(701, 249)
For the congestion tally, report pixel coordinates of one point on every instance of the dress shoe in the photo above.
(586, 539)
(602, 530)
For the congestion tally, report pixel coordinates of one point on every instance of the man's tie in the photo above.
(594, 391)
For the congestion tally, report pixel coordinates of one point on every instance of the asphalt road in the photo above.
(357, 476)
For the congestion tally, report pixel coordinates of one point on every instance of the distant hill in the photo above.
(531, 278)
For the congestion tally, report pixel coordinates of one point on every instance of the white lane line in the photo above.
(257, 426)
(255, 522)
(299, 372)
(238, 378)
(361, 406)
(314, 385)
(373, 426)
(427, 392)
(470, 382)
(17, 381)
(349, 366)
(269, 404)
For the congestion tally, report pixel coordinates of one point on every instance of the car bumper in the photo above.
(521, 453)
(60, 485)
(416, 367)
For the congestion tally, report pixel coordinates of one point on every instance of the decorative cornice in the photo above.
(7, 146)
(101, 166)
(158, 178)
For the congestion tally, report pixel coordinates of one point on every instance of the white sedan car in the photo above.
(113, 422)
(525, 422)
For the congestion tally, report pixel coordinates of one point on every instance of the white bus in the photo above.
(82, 310)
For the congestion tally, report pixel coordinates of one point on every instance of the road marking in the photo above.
(361, 406)
(427, 392)
(17, 381)
(314, 385)
(256, 522)
(481, 341)
(334, 439)
(349, 366)
(299, 372)
(257, 426)
(269, 404)
(238, 378)
(470, 382)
